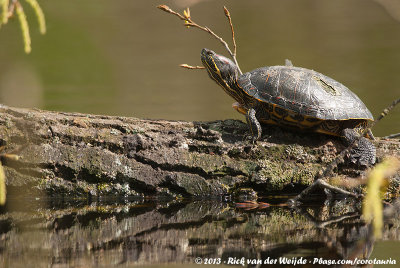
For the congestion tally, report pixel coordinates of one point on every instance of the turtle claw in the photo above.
(364, 153)
(250, 138)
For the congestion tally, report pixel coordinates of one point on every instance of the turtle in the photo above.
(295, 98)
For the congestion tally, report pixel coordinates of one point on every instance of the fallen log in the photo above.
(82, 155)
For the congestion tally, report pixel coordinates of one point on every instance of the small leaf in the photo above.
(226, 11)
(24, 27)
(2, 186)
(164, 7)
(4, 9)
(373, 209)
(39, 14)
(187, 24)
(186, 13)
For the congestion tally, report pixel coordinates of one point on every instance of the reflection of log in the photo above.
(81, 154)
(148, 233)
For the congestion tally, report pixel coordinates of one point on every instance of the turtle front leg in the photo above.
(254, 125)
(364, 154)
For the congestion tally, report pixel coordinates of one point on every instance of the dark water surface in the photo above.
(121, 57)
(56, 233)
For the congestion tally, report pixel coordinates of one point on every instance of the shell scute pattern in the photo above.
(305, 92)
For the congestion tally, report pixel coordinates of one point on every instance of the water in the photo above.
(122, 57)
(53, 233)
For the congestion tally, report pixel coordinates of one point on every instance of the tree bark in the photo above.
(94, 155)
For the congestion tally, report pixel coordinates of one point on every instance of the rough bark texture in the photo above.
(92, 155)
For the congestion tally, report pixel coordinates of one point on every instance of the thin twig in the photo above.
(191, 67)
(326, 185)
(320, 183)
(12, 8)
(323, 224)
(392, 211)
(167, 9)
(391, 136)
(336, 220)
(228, 15)
(386, 111)
(190, 23)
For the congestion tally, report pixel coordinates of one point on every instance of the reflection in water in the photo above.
(24, 88)
(145, 232)
(392, 7)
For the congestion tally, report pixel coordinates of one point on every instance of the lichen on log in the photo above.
(82, 155)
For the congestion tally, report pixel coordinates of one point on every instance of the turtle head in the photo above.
(222, 70)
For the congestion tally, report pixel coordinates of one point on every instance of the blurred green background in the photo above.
(121, 57)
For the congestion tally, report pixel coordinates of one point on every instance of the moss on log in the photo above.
(83, 155)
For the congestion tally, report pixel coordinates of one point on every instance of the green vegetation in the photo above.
(8, 8)
(377, 184)
(2, 186)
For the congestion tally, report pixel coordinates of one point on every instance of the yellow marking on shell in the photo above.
(290, 118)
(269, 121)
(323, 131)
(275, 113)
(306, 123)
(296, 124)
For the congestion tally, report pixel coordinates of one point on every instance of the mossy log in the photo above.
(81, 155)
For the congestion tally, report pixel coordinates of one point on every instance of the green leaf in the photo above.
(373, 208)
(2, 186)
(39, 14)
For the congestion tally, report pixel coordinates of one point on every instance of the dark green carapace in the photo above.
(295, 98)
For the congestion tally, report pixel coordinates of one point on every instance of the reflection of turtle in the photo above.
(295, 98)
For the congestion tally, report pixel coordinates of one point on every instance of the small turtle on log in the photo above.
(295, 98)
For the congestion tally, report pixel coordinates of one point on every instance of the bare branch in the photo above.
(326, 185)
(387, 110)
(12, 8)
(167, 9)
(320, 183)
(392, 136)
(190, 23)
(228, 15)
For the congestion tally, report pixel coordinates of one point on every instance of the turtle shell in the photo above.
(304, 92)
